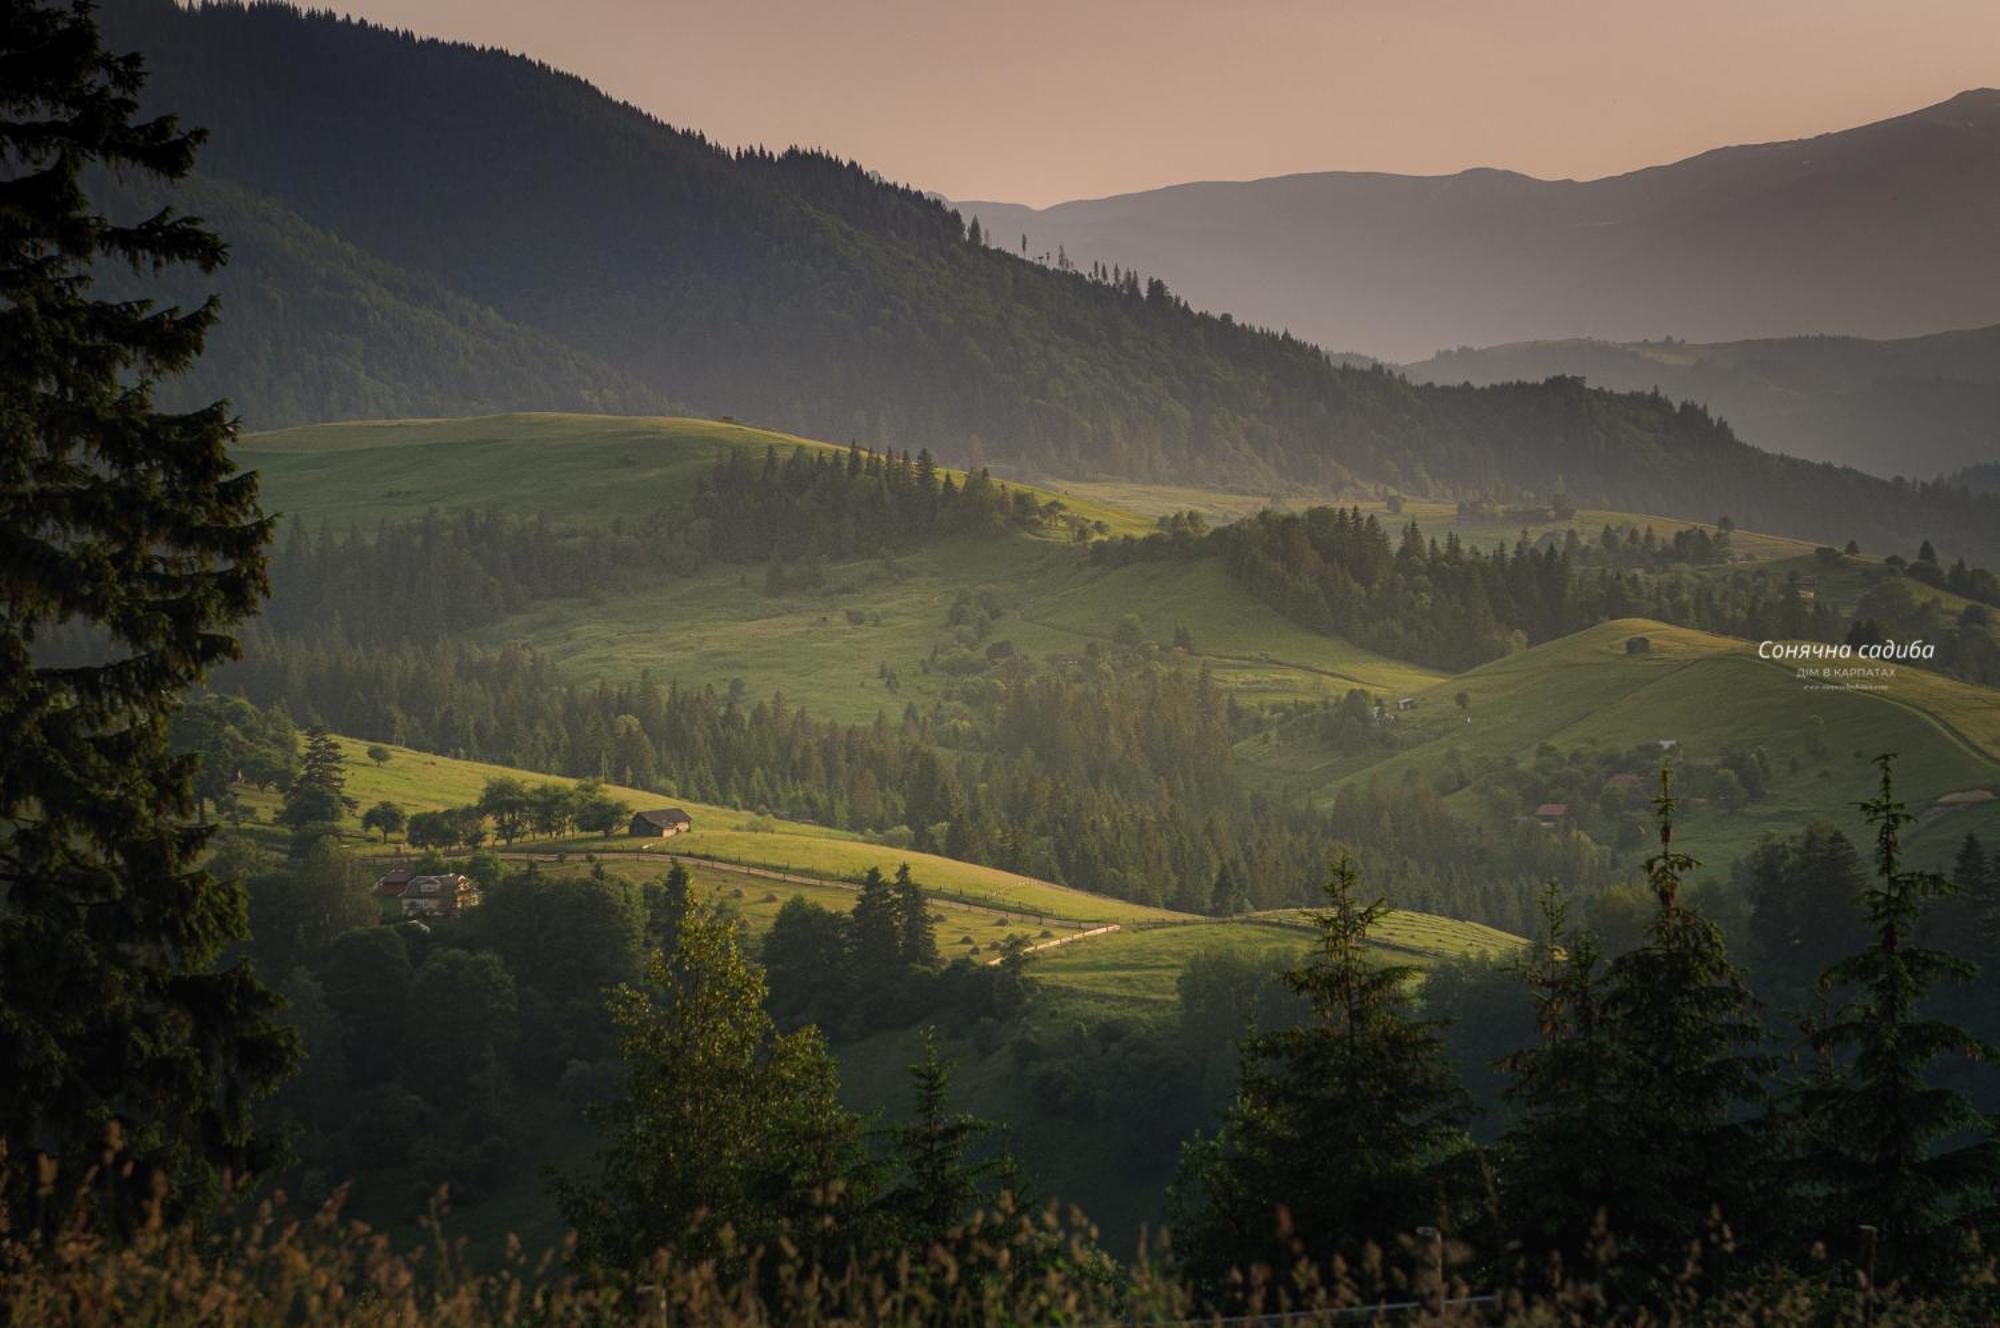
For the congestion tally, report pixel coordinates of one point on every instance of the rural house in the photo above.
(436, 896)
(1552, 814)
(659, 824)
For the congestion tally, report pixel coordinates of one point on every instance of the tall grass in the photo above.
(266, 1266)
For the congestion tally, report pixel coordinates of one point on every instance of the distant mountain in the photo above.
(1881, 231)
(1922, 406)
(424, 227)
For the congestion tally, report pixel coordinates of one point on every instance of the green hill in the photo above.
(422, 781)
(1707, 694)
(1139, 965)
(826, 648)
(741, 858)
(580, 468)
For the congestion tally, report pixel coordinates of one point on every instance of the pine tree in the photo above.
(1345, 1129)
(1560, 1157)
(1690, 1080)
(318, 797)
(941, 1181)
(916, 933)
(875, 932)
(1881, 1126)
(114, 1006)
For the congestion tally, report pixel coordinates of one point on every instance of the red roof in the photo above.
(1552, 809)
(1624, 781)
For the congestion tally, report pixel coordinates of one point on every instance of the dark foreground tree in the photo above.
(126, 528)
(1346, 1129)
(720, 1121)
(1560, 1155)
(1891, 1148)
(1690, 1071)
(942, 1180)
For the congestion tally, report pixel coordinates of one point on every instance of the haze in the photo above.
(1036, 102)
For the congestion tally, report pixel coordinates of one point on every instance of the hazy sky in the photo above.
(1032, 101)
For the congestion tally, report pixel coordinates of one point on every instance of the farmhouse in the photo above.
(659, 824)
(1406, 703)
(442, 895)
(1552, 814)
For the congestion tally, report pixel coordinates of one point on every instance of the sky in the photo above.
(1032, 101)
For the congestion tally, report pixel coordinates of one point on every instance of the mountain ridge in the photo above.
(1727, 244)
(804, 292)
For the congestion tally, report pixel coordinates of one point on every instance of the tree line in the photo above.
(1342, 571)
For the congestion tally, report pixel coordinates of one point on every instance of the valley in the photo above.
(659, 727)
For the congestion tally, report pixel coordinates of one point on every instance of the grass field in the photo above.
(826, 649)
(830, 650)
(1142, 965)
(718, 624)
(1709, 694)
(579, 467)
(419, 781)
(970, 931)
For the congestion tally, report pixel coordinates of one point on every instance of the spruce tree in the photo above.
(916, 933)
(941, 1181)
(131, 523)
(1560, 1158)
(1883, 1130)
(874, 931)
(318, 797)
(1346, 1129)
(1690, 1074)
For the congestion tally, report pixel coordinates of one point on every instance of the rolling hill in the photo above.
(1876, 231)
(1922, 406)
(702, 628)
(803, 292)
(837, 649)
(1709, 696)
(752, 863)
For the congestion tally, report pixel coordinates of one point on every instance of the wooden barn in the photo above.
(659, 824)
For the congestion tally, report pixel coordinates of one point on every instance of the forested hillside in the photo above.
(804, 292)
(1922, 406)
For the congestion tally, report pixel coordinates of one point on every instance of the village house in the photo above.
(438, 895)
(1552, 814)
(660, 824)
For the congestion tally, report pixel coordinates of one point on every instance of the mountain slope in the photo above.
(1877, 231)
(1919, 406)
(313, 327)
(1533, 713)
(804, 293)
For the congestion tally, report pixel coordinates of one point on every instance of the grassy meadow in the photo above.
(420, 781)
(584, 467)
(1706, 693)
(862, 646)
